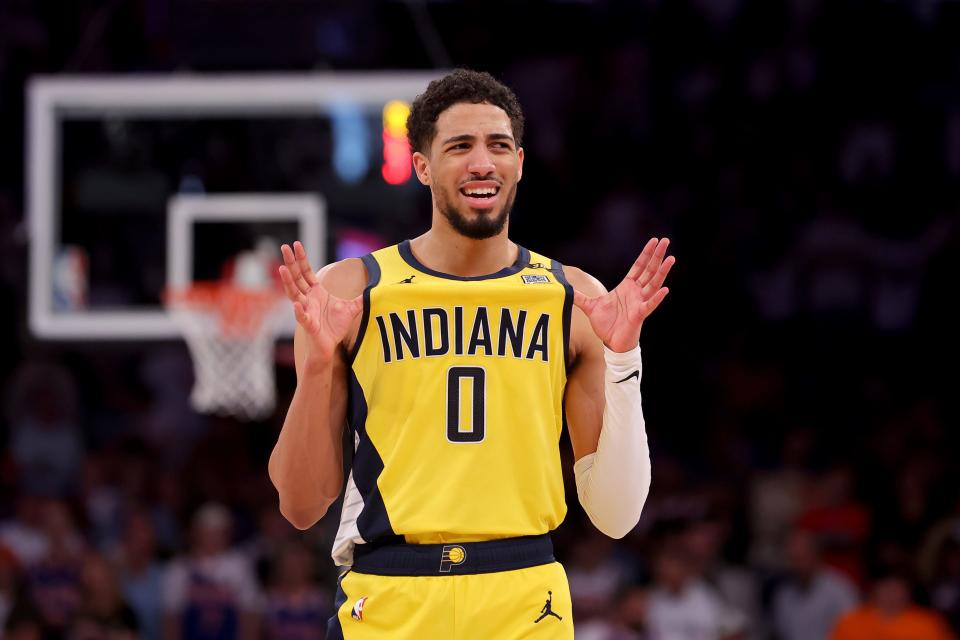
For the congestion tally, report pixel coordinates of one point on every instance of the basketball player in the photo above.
(454, 358)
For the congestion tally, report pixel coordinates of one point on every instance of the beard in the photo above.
(483, 226)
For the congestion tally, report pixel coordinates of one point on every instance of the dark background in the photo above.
(804, 159)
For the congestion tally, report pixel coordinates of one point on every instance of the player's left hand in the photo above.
(617, 316)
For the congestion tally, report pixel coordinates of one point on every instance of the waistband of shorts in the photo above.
(456, 558)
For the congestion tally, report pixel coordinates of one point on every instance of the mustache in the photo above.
(481, 227)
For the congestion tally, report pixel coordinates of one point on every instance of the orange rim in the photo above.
(241, 311)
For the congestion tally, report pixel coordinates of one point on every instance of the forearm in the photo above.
(306, 465)
(613, 482)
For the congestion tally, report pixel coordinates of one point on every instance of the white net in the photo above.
(230, 333)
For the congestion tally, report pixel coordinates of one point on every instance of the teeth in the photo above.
(480, 192)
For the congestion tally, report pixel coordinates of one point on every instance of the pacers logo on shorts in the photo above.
(452, 554)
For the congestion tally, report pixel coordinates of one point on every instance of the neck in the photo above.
(443, 249)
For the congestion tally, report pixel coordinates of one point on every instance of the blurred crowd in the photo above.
(115, 528)
(804, 158)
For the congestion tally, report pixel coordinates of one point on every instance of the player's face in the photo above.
(473, 168)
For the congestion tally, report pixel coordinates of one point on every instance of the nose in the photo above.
(480, 161)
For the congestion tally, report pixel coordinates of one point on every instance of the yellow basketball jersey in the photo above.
(456, 403)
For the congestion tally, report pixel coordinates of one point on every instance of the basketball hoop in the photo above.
(230, 331)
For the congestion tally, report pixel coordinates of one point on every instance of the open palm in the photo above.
(325, 317)
(617, 316)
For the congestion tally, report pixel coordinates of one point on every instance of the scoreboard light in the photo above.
(351, 142)
(397, 159)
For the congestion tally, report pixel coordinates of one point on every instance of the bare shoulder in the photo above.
(583, 281)
(345, 278)
(583, 340)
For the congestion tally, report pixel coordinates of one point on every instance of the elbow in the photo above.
(617, 518)
(303, 517)
(303, 513)
(302, 509)
(616, 529)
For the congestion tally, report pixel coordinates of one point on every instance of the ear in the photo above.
(520, 163)
(421, 164)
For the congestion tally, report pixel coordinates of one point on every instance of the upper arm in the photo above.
(584, 395)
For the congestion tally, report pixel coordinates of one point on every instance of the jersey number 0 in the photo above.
(478, 391)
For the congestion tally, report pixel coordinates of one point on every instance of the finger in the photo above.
(303, 281)
(288, 258)
(291, 262)
(654, 263)
(290, 286)
(662, 272)
(584, 303)
(305, 269)
(302, 316)
(657, 298)
(642, 259)
(293, 291)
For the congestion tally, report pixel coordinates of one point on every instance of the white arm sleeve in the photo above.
(613, 483)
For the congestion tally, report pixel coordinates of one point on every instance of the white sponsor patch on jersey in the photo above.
(535, 279)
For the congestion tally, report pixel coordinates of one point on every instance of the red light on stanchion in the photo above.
(396, 159)
(396, 150)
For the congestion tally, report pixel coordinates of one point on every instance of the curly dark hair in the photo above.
(461, 85)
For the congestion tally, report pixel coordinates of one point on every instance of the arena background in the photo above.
(799, 381)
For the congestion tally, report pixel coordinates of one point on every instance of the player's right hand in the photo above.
(325, 318)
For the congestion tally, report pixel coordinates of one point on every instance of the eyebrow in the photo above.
(466, 137)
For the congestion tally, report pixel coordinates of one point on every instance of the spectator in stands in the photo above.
(141, 575)
(271, 537)
(46, 443)
(54, 582)
(24, 623)
(211, 593)
(23, 534)
(777, 497)
(704, 540)
(891, 613)
(104, 614)
(808, 603)
(9, 583)
(626, 621)
(839, 519)
(682, 605)
(594, 575)
(296, 608)
(940, 566)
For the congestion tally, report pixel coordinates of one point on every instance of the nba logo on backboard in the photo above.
(452, 554)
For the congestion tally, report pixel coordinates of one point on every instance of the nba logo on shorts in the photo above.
(452, 554)
(357, 613)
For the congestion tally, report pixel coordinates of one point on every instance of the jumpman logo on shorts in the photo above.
(547, 610)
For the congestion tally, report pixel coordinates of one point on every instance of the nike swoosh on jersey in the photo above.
(635, 374)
